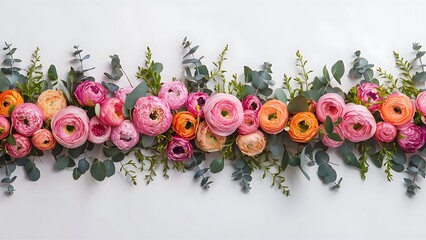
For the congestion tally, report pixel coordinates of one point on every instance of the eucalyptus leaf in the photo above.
(280, 95)
(98, 170)
(110, 168)
(118, 157)
(247, 74)
(326, 173)
(328, 125)
(326, 74)
(420, 77)
(148, 141)
(139, 91)
(4, 82)
(337, 70)
(83, 166)
(76, 174)
(34, 174)
(217, 165)
(200, 172)
(298, 104)
(62, 162)
(312, 95)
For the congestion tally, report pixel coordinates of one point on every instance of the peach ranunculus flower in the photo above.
(185, 124)
(273, 116)
(207, 141)
(303, 127)
(50, 102)
(43, 140)
(397, 109)
(251, 144)
(8, 99)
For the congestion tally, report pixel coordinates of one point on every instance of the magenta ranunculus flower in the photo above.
(358, 123)
(410, 137)
(195, 103)
(111, 112)
(223, 114)
(368, 94)
(174, 93)
(122, 93)
(330, 104)
(70, 127)
(252, 102)
(421, 103)
(250, 123)
(4, 127)
(21, 148)
(125, 136)
(27, 118)
(151, 116)
(385, 132)
(331, 143)
(179, 149)
(89, 93)
(99, 132)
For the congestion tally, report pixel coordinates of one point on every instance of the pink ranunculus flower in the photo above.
(421, 103)
(27, 118)
(385, 132)
(331, 143)
(111, 112)
(151, 116)
(410, 137)
(358, 123)
(174, 93)
(223, 114)
(122, 93)
(21, 148)
(250, 123)
(330, 104)
(98, 131)
(43, 140)
(125, 136)
(195, 103)
(70, 127)
(179, 149)
(4, 127)
(368, 94)
(252, 102)
(89, 93)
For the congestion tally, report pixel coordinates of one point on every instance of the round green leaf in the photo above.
(62, 162)
(110, 168)
(83, 166)
(98, 171)
(217, 165)
(34, 174)
(76, 174)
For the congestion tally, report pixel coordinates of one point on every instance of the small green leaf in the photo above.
(258, 82)
(335, 137)
(110, 168)
(298, 104)
(148, 141)
(326, 74)
(328, 125)
(346, 147)
(217, 165)
(337, 70)
(76, 174)
(192, 51)
(280, 95)
(139, 91)
(34, 174)
(158, 67)
(199, 173)
(420, 77)
(118, 157)
(98, 170)
(312, 95)
(83, 165)
(321, 157)
(51, 73)
(62, 162)
(247, 74)
(351, 159)
(11, 140)
(4, 82)
(326, 173)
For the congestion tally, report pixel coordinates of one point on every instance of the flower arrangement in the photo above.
(95, 126)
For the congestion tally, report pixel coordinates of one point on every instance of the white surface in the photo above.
(57, 207)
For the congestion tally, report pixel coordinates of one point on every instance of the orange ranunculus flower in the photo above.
(397, 109)
(185, 124)
(207, 141)
(50, 102)
(43, 140)
(273, 116)
(251, 144)
(8, 99)
(303, 127)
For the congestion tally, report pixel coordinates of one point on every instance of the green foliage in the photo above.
(33, 173)
(33, 85)
(361, 68)
(10, 75)
(129, 173)
(80, 72)
(243, 174)
(407, 86)
(298, 104)
(271, 167)
(259, 82)
(418, 76)
(415, 167)
(139, 91)
(9, 168)
(98, 170)
(151, 73)
(217, 165)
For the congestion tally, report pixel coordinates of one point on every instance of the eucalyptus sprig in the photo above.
(10, 75)
(416, 167)
(151, 73)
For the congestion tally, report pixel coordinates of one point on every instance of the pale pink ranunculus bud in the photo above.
(250, 123)
(368, 94)
(330, 104)
(385, 132)
(99, 132)
(21, 148)
(124, 136)
(174, 93)
(43, 140)
(251, 144)
(223, 114)
(27, 118)
(70, 127)
(252, 102)
(358, 123)
(111, 112)
(151, 116)
(89, 93)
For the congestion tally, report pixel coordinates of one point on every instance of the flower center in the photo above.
(98, 130)
(6, 104)
(26, 122)
(201, 101)
(253, 106)
(153, 115)
(46, 141)
(272, 116)
(303, 127)
(224, 113)
(397, 110)
(188, 125)
(178, 150)
(70, 128)
(357, 126)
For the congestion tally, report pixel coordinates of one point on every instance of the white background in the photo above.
(57, 207)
